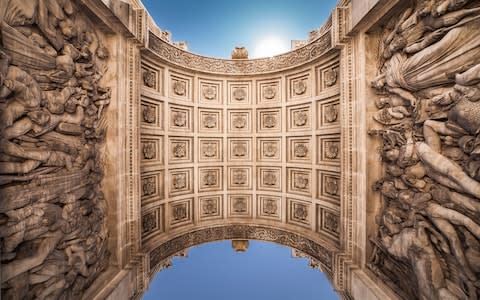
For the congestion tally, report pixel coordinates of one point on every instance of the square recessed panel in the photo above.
(210, 91)
(328, 222)
(328, 113)
(210, 120)
(328, 149)
(329, 183)
(269, 207)
(299, 86)
(181, 118)
(299, 149)
(269, 178)
(299, 212)
(152, 222)
(151, 147)
(152, 78)
(210, 149)
(269, 149)
(180, 150)
(328, 78)
(151, 113)
(299, 117)
(180, 181)
(210, 207)
(239, 121)
(210, 179)
(299, 181)
(269, 120)
(269, 91)
(181, 212)
(240, 178)
(181, 87)
(239, 93)
(239, 149)
(240, 205)
(152, 186)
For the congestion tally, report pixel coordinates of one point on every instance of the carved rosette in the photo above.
(209, 92)
(149, 78)
(270, 207)
(270, 149)
(209, 207)
(149, 114)
(300, 118)
(209, 149)
(149, 151)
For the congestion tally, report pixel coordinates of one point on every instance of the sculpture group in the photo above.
(53, 231)
(429, 110)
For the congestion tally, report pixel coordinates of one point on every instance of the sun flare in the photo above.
(270, 46)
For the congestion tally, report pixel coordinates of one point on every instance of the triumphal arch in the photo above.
(359, 149)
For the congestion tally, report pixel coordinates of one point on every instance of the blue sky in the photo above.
(214, 271)
(215, 27)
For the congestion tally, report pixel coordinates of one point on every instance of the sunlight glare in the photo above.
(270, 46)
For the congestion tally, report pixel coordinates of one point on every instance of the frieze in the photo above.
(305, 245)
(287, 60)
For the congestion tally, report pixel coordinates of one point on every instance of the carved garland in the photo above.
(242, 67)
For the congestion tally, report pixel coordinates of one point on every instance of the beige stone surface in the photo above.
(120, 149)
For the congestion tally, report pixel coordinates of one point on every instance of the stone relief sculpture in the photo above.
(429, 110)
(53, 231)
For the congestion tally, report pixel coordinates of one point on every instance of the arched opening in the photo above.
(265, 270)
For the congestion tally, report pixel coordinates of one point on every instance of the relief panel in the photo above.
(210, 207)
(239, 178)
(269, 149)
(299, 117)
(240, 205)
(210, 120)
(181, 212)
(239, 121)
(269, 120)
(151, 113)
(299, 86)
(210, 179)
(180, 181)
(269, 92)
(151, 147)
(180, 149)
(329, 183)
(210, 149)
(298, 212)
(210, 91)
(328, 113)
(269, 207)
(181, 118)
(239, 93)
(299, 149)
(269, 178)
(299, 181)
(239, 149)
(181, 87)
(328, 149)
(152, 186)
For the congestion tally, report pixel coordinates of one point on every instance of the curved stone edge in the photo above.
(211, 65)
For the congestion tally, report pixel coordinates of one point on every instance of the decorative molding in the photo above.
(191, 61)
